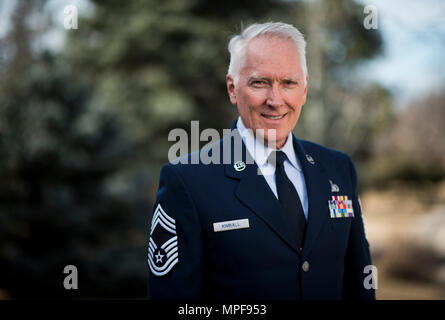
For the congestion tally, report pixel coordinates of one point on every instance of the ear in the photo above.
(231, 89)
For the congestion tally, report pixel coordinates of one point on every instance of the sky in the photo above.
(412, 63)
(410, 66)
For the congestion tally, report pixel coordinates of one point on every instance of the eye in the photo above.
(259, 83)
(290, 83)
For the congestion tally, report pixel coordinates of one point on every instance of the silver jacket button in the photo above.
(305, 266)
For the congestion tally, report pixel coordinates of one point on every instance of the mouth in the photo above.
(273, 117)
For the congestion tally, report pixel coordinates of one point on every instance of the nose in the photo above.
(275, 98)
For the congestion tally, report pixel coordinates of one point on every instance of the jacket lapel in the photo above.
(318, 193)
(254, 192)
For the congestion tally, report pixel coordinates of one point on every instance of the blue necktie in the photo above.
(290, 201)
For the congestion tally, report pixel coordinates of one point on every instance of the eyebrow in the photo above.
(256, 78)
(293, 79)
(296, 78)
(252, 78)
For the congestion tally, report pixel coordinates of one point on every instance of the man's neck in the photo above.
(260, 138)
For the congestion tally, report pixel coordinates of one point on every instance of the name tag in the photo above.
(231, 225)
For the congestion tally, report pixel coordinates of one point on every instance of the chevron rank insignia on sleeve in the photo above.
(163, 244)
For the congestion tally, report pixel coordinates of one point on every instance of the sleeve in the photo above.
(358, 255)
(175, 246)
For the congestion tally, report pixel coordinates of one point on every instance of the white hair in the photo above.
(238, 44)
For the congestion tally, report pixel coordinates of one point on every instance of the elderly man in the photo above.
(285, 225)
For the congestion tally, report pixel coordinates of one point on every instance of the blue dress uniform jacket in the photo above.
(259, 262)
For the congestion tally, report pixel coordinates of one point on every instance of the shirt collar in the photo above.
(261, 152)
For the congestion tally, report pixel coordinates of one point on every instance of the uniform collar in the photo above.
(261, 152)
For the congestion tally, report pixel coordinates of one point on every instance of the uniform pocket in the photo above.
(341, 223)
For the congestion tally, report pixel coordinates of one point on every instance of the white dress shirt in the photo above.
(260, 153)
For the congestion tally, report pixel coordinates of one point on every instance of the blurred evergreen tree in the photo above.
(61, 201)
(56, 208)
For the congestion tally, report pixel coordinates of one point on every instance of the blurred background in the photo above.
(85, 114)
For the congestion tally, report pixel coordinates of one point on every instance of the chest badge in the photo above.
(334, 187)
(340, 207)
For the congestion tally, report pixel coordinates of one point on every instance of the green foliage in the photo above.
(56, 207)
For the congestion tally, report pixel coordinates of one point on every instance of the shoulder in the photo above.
(331, 159)
(323, 151)
(198, 164)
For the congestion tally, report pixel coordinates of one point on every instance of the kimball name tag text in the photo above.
(231, 225)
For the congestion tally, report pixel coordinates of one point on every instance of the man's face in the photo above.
(271, 89)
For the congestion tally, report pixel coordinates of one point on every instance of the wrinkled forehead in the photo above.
(272, 55)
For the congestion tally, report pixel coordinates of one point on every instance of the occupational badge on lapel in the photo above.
(239, 166)
(340, 207)
(163, 244)
(310, 159)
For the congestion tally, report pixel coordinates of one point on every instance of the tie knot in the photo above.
(277, 157)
